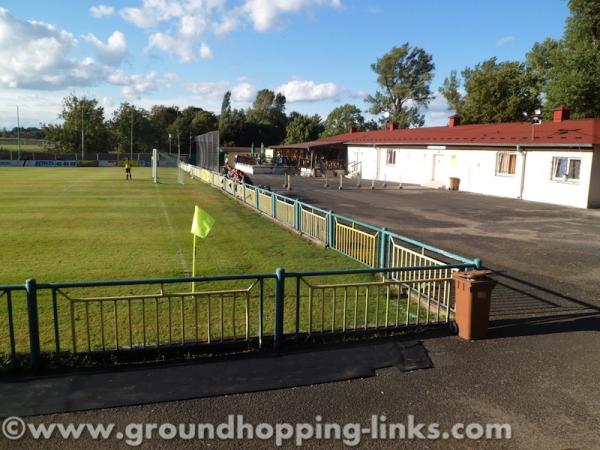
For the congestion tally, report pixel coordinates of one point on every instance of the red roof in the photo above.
(569, 132)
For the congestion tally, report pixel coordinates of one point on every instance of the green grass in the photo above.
(24, 148)
(89, 223)
(81, 224)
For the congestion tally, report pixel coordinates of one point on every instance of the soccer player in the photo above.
(127, 169)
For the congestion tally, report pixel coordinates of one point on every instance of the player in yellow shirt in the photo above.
(128, 170)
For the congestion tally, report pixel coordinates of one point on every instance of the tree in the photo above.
(130, 122)
(303, 128)
(162, 118)
(340, 119)
(540, 59)
(404, 75)
(572, 66)
(193, 121)
(450, 90)
(494, 92)
(233, 128)
(267, 119)
(78, 113)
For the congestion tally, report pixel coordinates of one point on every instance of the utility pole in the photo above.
(131, 137)
(170, 143)
(18, 134)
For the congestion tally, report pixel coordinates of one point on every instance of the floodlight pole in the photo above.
(18, 134)
(178, 143)
(131, 137)
(170, 143)
(82, 134)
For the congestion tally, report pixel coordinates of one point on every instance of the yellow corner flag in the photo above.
(202, 223)
(201, 226)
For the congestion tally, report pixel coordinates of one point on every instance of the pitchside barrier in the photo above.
(62, 321)
(373, 246)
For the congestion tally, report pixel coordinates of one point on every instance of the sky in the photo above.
(318, 53)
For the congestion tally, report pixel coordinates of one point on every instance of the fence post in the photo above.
(279, 304)
(297, 215)
(330, 241)
(274, 205)
(34, 329)
(256, 197)
(382, 246)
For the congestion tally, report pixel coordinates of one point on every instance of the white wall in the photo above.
(594, 195)
(539, 185)
(477, 172)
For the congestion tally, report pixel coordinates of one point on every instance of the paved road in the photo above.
(538, 371)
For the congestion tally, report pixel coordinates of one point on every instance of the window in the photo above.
(565, 169)
(391, 157)
(506, 163)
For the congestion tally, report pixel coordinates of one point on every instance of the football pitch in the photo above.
(78, 224)
(90, 224)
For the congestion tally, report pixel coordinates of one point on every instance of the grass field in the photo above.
(62, 224)
(77, 224)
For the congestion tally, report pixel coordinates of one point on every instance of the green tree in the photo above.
(77, 114)
(303, 128)
(450, 90)
(540, 59)
(404, 75)
(340, 119)
(573, 66)
(233, 128)
(162, 119)
(133, 130)
(494, 92)
(193, 121)
(266, 117)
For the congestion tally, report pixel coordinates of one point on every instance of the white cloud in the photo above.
(139, 17)
(243, 92)
(99, 11)
(505, 40)
(114, 51)
(168, 78)
(134, 86)
(34, 107)
(182, 26)
(205, 51)
(309, 91)
(35, 56)
(211, 89)
(266, 14)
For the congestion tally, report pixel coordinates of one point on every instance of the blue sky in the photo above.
(188, 52)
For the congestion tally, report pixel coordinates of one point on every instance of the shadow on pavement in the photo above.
(522, 308)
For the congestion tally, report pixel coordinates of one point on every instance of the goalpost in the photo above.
(155, 165)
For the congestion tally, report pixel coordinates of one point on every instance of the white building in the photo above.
(556, 161)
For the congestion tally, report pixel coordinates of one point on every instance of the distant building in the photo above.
(555, 161)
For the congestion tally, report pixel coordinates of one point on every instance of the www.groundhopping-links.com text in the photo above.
(236, 428)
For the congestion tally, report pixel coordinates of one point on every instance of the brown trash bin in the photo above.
(472, 309)
(454, 184)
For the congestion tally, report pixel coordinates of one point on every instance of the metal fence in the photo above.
(373, 246)
(39, 321)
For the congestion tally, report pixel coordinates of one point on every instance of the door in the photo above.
(440, 170)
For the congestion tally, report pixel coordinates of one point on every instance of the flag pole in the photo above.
(194, 266)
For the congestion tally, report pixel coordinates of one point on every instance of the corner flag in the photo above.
(202, 223)
(201, 226)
